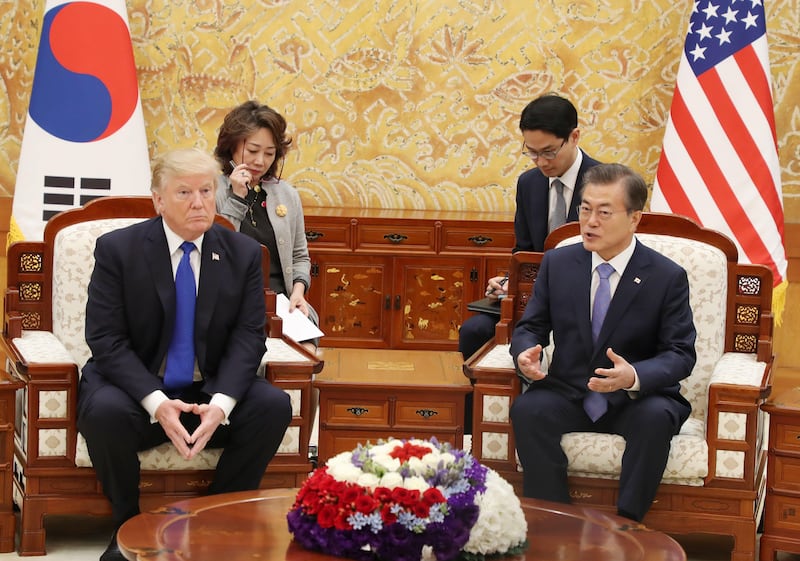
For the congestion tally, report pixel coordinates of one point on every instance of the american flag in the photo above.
(719, 164)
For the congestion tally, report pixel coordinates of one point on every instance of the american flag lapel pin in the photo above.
(214, 256)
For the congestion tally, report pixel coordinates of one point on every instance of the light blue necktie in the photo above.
(179, 371)
(594, 403)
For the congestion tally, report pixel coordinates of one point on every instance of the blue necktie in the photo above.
(179, 371)
(594, 403)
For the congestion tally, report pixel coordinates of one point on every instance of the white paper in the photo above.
(296, 325)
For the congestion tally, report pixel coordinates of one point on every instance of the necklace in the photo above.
(256, 196)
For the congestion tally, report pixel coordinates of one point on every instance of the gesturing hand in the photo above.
(529, 364)
(619, 377)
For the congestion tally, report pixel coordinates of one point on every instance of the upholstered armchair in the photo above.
(714, 480)
(43, 339)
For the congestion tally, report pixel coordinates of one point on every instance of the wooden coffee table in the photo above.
(251, 525)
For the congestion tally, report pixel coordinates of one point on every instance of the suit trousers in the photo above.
(475, 332)
(116, 427)
(540, 416)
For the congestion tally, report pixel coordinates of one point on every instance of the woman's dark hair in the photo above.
(550, 113)
(243, 121)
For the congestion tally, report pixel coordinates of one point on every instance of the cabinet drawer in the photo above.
(786, 473)
(782, 513)
(428, 413)
(787, 436)
(329, 235)
(374, 236)
(465, 239)
(358, 412)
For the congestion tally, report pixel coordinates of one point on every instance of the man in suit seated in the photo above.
(624, 338)
(547, 195)
(175, 322)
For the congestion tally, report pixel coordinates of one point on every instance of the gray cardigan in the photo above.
(290, 230)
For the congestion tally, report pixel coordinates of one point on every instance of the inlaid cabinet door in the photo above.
(352, 295)
(429, 299)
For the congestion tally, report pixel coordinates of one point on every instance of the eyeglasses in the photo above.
(585, 211)
(546, 154)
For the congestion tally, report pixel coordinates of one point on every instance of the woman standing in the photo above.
(251, 145)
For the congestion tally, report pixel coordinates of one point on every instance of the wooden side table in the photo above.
(782, 506)
(371, 394)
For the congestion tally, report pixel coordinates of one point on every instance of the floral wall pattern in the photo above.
(408, 103)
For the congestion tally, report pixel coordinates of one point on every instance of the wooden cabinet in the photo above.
(782, 506)
(401, 279)
(371, 394)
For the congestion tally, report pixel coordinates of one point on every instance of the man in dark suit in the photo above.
(127, 399)
(623, 371)
(549, 126)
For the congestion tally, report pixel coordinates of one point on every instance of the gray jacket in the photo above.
(290, 230)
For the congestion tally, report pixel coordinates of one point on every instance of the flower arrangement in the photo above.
(406, 501)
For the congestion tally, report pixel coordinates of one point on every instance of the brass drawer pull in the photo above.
(357, 411)
(480, 240)
(426, 413)
(311, 235)
(395, 238)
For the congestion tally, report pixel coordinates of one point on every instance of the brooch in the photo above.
(281, 210)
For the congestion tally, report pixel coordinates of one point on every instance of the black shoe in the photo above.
(112, 552)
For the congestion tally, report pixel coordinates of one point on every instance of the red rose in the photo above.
(351, 494)
(382, 494)
(432, 496)
(365, 504)
(421, 510)
(341, 522)
(326, 516)
(388, 516)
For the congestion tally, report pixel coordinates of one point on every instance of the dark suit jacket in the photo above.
(649, 322)
(533, 203)
(131, 307)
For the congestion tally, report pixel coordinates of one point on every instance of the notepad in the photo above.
(486, 305)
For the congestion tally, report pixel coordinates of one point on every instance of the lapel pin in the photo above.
(637, 280)
(215, 257)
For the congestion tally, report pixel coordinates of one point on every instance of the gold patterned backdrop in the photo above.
(408, 103)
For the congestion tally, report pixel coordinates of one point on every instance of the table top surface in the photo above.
(787, 401)
(252, 525)
(395, 368)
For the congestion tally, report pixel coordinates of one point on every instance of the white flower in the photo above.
(342, 458)
(416, 465)
(433, 460)
(345, 472)
(368, 480)
(392, 480)
(501, 523)
(384, 460)
(416, 482)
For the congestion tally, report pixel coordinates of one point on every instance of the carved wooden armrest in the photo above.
(738, 386)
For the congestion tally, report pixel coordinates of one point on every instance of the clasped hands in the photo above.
(168, 416)
(620, 376)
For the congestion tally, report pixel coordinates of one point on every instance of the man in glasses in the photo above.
(547, 195)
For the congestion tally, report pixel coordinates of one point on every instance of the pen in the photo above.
(501, 282)
(233, 167)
